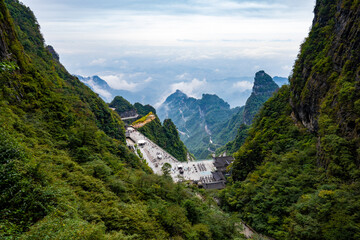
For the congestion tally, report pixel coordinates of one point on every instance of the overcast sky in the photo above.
(166, 39)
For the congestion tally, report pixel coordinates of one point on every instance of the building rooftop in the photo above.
(223, 161)
(214, 185)
(218, 176)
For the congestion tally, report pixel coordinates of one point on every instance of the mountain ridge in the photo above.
(196, 117)
(209, 123)
(297, 175)
(65, 170)
(264, 87)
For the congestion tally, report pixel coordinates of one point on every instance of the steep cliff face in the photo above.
(65, 171)
(10, 47)
(123, 107)
(297, 176)
(199, 121)
(209, 123)
(326, 77)
(263, 89)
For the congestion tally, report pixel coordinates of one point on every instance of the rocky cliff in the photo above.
(326, 76)
(197, 120)
(263, 89)
(65, 171)
(297, 175)
(209, 123)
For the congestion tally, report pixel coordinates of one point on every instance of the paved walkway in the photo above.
(156, 157)
(132, 117)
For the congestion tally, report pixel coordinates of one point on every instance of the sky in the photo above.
(149, 48)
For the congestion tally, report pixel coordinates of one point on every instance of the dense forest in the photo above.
(167, 137)
(65, 170)
(264, 87)
(208, 124)
(297, 174)
(124, 108)
(198, 120)
(66, 173)
(164, 135)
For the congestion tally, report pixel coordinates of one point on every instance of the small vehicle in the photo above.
(181, 169)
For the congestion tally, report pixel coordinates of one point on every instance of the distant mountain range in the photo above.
(208, 123)
(99, 86)
(280, 80)
(150, 96)
(204, 124)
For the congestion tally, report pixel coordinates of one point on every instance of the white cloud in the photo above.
(217, 5)
(287, 68)
(182, 76)
(149, 79)
(119, 83)
(107, 95)
(98, 61)
(193, 89)
(242, 86)
(187, 35)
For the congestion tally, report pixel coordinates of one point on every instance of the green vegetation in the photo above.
(65, 172)
(233, 146)
(284, 192)
(264, 88)
(207, 124)
(166, 136)
(166, 168)
(297, 175)
(143, 119)
(126, 109)
(8, 66)
(143, 110)
(197, 118)
(121, 105)
(227, 131)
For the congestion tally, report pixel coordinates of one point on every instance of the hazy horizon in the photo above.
(149, 49)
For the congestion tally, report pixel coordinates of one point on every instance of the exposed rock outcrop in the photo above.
(263, 89)
(329, 60)
(54, 54)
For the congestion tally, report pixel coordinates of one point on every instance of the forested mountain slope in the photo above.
(65, 171)
(264, 87)
(237, 128)
(297, 174)
(164, 135)
(197, 119)
(125, 109)
(167, 137)
(209, 123)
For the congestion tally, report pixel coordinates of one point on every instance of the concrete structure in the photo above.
(203, 172)
(221, 163)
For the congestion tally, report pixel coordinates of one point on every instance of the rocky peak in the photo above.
(176, 97)
(212, 100)
(263, 89)
(263, 84)
(54, 54)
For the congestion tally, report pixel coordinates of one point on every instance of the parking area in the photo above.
(156, 157)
